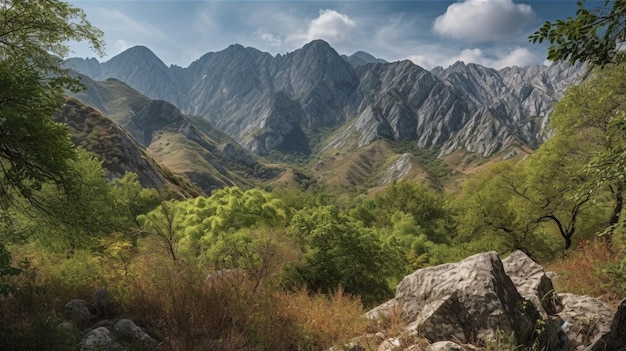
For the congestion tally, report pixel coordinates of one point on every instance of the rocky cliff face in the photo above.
(278, 102)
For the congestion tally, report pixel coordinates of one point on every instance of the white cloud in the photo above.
(121, 45)
(484, 20)
(471, 55)
(518, 57)
(269, 38)
(330, 25)
(423, 61)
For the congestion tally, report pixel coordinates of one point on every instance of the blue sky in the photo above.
(430, 33)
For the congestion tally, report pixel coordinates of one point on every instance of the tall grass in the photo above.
(181, 308)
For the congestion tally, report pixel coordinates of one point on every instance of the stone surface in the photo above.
(77, 311)
(100, 339)
(584, 319)
(267, 102)
(126, 330)
(465, 301)
(532, 282)
(445, 346)
(615, 338)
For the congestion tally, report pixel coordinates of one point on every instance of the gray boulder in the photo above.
(77, 311)
(465, 301)
(127, 331)
(532, 283)
(100, 339)
(584, 319)
(615, 338)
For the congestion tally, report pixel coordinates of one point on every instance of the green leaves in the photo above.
(593, 36)
(34, 149)
(342, 252)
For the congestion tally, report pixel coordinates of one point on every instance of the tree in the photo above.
(81, 215)
(575, 179)
(488, 208)
(33, 148)
(426, 206)
(594, 36)
(589, 135)
(341, 252)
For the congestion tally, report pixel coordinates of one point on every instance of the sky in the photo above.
(430, 33)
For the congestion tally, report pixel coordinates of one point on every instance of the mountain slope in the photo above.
(183, 143)
(290, 102)
(116, 149)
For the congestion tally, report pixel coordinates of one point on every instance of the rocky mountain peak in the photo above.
(268, 102)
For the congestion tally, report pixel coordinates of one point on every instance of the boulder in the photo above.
(102, 304)
(472, 301)
(465, 301)
(615, 338)
(127, 331)
(100, 339)
(77, 311)
(532, 283)
(584, 319)
(445, 346)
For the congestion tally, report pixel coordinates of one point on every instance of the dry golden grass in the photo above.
(180, 308)
(580, 271)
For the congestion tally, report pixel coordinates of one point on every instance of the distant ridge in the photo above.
(313, 100)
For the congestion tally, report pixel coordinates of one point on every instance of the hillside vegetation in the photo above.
(280, 260)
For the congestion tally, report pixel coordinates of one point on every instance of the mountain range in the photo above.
(343, 120)
(314, 99)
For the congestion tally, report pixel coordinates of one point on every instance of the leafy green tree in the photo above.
(490, 207)
(194, 226)
(164, 224)
(594, 35)
(426, 206)
(339, 251)
(34, 149)
(589, 141)
(132, 199)
(76, 217)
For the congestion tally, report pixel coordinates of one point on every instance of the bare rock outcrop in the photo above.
(466, 301)
(469, 302)
(532, 282)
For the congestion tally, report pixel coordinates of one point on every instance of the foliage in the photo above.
(573, 184)
(34, 149)
(589, 140)
(593, 36)
(204, 226)
(79, 216)
(341, 252)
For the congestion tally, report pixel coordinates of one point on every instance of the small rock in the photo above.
(390, 345)
(445, 346)
(129, 332)
(77, 312)
(102, 304)
(100, 339)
